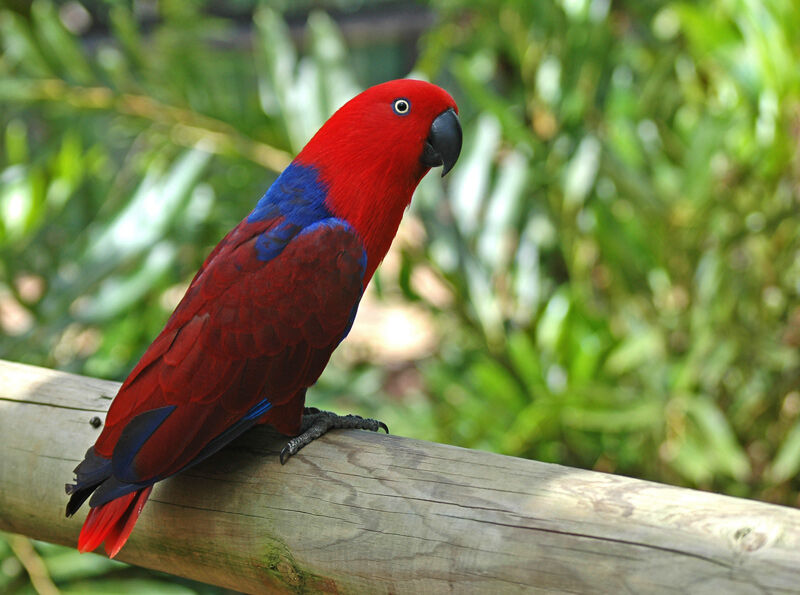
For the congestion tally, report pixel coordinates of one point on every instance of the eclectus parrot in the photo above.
(271, 302)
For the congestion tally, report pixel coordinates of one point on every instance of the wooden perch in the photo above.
(357, 512)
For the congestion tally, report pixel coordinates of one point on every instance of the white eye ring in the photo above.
(401, 106)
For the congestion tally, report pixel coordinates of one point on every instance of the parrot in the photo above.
(261, 318)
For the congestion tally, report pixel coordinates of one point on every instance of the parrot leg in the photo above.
(316, 423)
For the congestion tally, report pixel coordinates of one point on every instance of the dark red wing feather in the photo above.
(246, 330)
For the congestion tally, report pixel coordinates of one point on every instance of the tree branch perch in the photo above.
(360, 512)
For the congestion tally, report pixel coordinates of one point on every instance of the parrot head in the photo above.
(373, 152)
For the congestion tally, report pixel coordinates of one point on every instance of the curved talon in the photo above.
(291, 448)
(316, 423)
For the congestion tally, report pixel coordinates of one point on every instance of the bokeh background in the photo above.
(608, 279)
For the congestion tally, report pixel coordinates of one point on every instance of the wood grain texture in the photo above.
(357, 512)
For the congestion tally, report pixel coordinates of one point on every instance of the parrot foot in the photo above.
(316, 423)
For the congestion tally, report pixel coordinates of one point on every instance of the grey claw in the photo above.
(286, 452)
(315, 423)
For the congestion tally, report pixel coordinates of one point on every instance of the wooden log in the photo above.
(357, 512)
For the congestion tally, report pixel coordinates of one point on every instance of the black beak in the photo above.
(444, 142)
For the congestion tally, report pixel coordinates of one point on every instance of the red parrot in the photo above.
(271, 302)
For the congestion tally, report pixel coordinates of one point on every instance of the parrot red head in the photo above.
(374, 150)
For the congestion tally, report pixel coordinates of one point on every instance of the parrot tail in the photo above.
(112, 522)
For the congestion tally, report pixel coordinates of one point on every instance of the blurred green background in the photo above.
(608, 279)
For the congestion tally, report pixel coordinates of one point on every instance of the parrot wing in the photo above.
(255, 328)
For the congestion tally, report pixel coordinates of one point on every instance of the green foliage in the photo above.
(611, 272)
(28, 566)
(623, 234)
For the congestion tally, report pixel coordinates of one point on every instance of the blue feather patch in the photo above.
(116, 486)
(297, 197)
(133, 436)
(272, 243)
(92, 470)
(113, 488)
(258, 410)
(231, 432)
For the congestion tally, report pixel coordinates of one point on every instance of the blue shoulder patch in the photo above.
(298, 197)
(297, 194)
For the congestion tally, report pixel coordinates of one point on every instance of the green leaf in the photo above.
(157, 202)
(581, 172)
(495, 239)
(20, 202)
(16, 142)
(129, 585)
(67, 564)
(526, 361)
(497, 385)
(126, 32)
(61, 46)
(19, 46)
(786, 463)
(117, 294)
(553, 322)
(714, 429)
(471, 179)
(640, 414)
(641, 347)
(337, 83)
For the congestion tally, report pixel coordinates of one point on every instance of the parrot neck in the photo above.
(370, 196)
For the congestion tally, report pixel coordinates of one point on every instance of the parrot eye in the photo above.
(401, 106)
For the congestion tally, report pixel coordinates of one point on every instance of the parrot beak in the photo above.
(444, 142)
